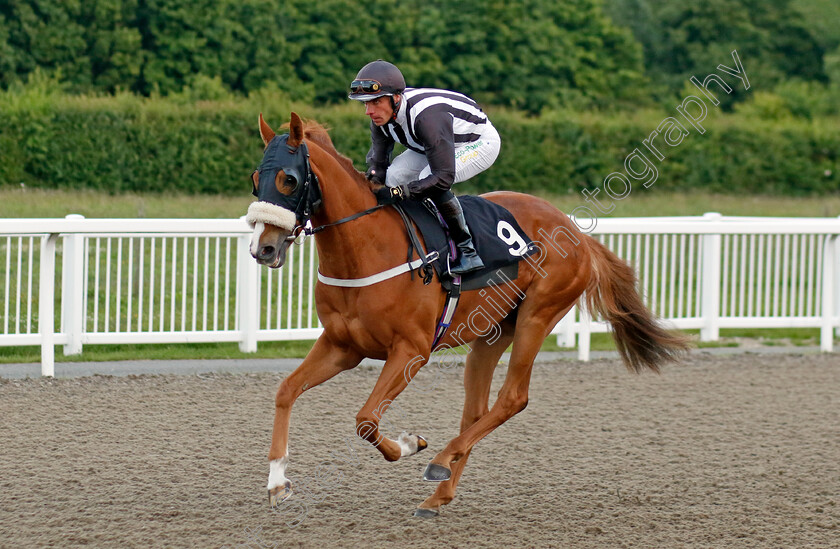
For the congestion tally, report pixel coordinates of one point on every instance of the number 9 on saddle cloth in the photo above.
(498, 238)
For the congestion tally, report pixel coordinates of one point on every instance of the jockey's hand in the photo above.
(375, 176)
(391, 195)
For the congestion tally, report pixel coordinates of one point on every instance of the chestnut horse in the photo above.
(304, 179)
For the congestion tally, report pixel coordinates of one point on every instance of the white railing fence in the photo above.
(77, 281)
(716, 272)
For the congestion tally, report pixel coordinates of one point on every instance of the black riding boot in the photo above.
(468, 260)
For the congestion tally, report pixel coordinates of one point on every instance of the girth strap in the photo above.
(378, 277)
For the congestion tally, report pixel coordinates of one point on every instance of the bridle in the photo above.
(306, 198)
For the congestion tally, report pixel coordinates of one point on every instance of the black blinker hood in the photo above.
(294, 162)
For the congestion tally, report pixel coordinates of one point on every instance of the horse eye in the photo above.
(255, 181)
(291, 181)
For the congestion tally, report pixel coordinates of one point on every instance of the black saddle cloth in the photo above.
(497, 238)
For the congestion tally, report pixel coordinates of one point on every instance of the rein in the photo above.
(357, 215)
(307, 229)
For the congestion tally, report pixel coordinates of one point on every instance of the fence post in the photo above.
(46, 304)
(72, 288)
(585, 333)
(566, 329)
(837, 280)
(710, 285)
(829, 280)
(248, 287)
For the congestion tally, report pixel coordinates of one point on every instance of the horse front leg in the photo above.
(323, 362)
(400, 367)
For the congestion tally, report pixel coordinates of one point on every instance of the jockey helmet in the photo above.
(376, 79)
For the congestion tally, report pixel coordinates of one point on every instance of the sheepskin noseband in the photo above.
(271, 214)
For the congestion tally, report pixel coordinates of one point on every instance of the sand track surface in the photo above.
(733, 451)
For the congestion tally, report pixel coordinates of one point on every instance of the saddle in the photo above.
(497, 237)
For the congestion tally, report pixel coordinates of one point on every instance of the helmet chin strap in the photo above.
(395, 106)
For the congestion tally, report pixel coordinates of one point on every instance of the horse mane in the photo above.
(319, 134)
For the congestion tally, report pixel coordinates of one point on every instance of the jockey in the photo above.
(447, 137)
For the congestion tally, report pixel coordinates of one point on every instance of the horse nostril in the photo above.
(266, 252)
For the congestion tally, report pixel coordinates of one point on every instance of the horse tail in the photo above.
(611, 292)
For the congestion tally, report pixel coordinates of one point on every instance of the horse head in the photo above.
(287, 192)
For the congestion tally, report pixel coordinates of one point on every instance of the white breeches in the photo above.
(470, 159)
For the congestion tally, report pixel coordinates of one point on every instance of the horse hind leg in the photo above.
(478, 375)
(533, 325)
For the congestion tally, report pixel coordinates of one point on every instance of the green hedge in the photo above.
(126, 143)
(530, 54)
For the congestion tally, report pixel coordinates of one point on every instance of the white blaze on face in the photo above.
(259, 227)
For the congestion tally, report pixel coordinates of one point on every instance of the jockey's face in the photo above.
(380, 110)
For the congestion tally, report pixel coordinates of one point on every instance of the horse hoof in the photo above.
(426, 513)
(279, 494)
(421, 444)
(436, 473)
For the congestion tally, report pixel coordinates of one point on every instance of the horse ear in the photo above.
(295, 131)
(266, 132)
